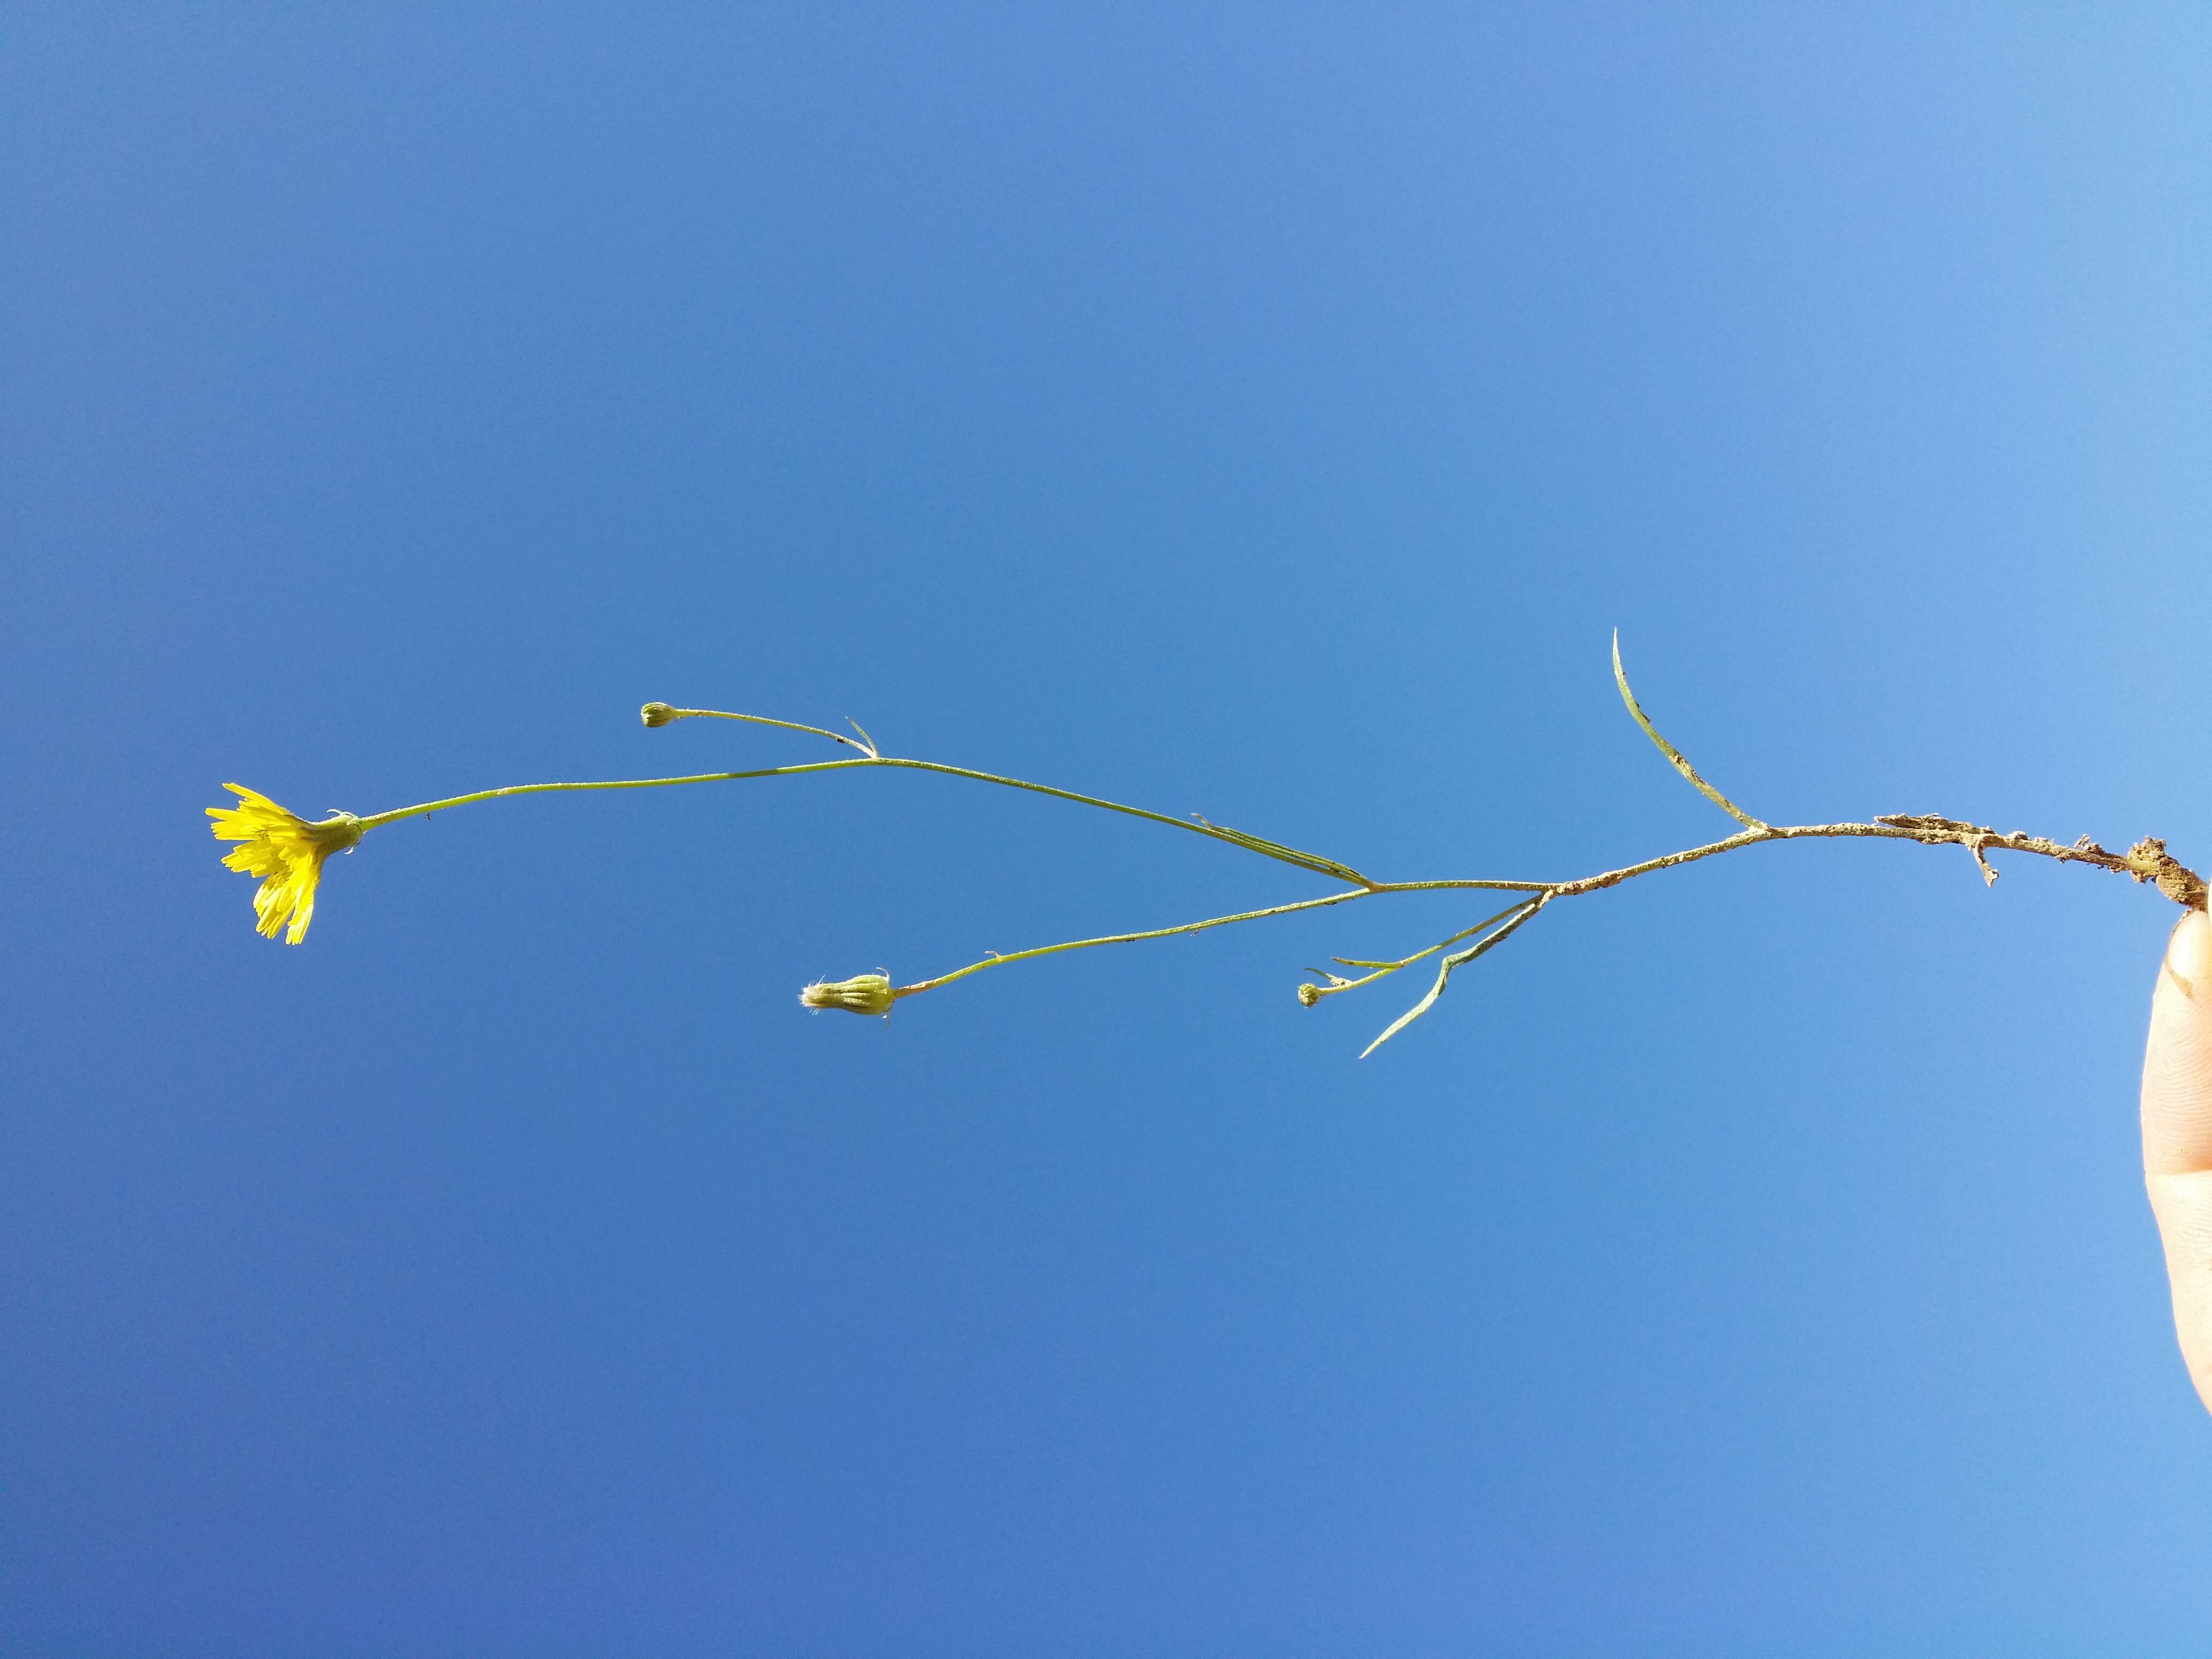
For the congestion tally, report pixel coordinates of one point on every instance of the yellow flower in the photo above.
(286, 851)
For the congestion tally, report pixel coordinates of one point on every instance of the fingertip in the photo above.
(2177, 1084)
(2177, 1134)
(2188, 966)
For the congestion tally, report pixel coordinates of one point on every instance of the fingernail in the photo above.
(2189, 954)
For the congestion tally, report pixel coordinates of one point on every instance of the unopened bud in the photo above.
(867, 994)
(656, 713)
(1309, 994)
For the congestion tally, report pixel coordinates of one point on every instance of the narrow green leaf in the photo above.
(1445, 971)
(1674, 755)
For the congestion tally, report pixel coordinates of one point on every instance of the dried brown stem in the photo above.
(2148, 860)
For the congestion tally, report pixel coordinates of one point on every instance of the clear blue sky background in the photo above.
(1256, 411)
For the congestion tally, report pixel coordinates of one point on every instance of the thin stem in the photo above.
(1275, 850)
(1266, 848)
(1310, 994)
(2148, 860)
(1688, 855)
(1465, 886)
(865, 747)
(1250, 843)
(429, 806)
(997, 960)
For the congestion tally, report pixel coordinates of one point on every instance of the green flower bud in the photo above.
(866, 993)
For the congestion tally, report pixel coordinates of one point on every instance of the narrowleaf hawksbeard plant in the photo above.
(287, 852)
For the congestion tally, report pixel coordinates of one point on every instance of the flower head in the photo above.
(286, 851)
(657, 714)
(868, 993)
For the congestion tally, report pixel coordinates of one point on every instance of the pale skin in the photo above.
(2177, 1135)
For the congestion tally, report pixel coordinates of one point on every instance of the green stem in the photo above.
(761, 720)
(429, 806)
(1275, 850)
(1385, 968)
(997, 960)
(1266, 848)
(1269, 849)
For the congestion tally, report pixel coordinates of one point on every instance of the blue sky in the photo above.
(1261, 412)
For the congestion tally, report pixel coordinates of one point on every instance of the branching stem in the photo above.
(2146, 862)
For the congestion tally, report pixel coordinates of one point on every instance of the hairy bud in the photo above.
(866, 993)
(657, 714)
(1309, 994)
